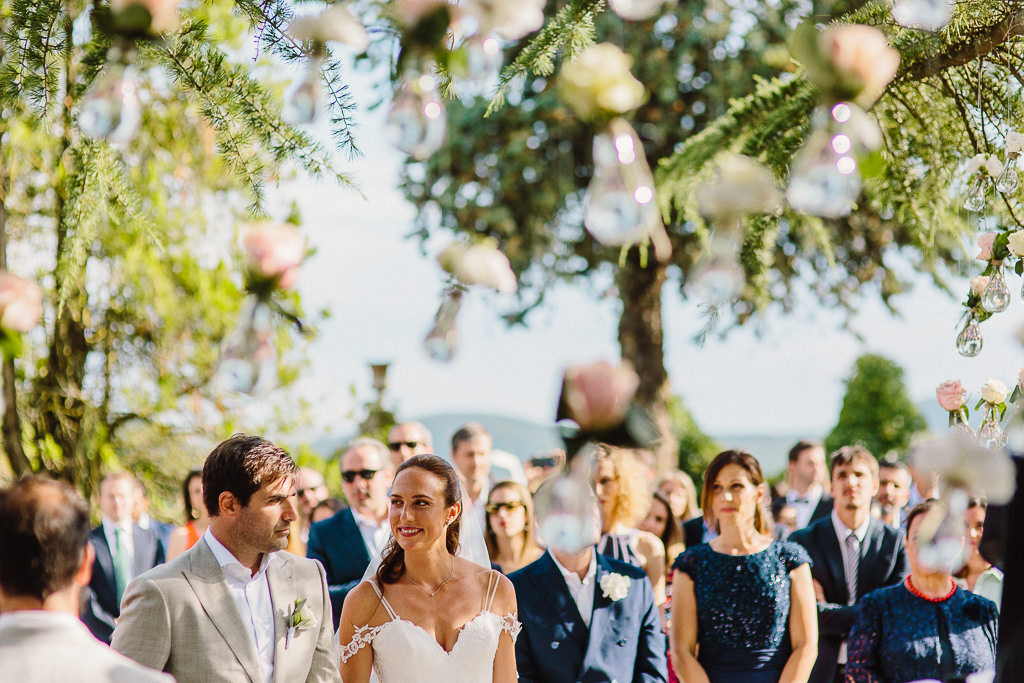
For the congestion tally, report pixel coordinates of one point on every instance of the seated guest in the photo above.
(893, 492)
(678, 488)
(44, 531)
(662, 523)
(925, 627)
(510, 527)
(197, 520)
(347, 542)
(978, 574)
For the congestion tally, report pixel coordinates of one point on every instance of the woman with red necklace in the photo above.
(923, 628)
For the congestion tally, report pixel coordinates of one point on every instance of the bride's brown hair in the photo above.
(392, 562)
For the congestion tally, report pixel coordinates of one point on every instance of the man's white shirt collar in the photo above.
(110, 532)
(842, 531)
(582, 591)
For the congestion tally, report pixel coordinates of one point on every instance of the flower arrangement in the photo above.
(298, 619)
(598, 85)
(847, 62)
(21, 306)
(953, 398)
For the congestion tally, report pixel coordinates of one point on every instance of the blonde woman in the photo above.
(509, 530)
(623, 497)
(677, 486)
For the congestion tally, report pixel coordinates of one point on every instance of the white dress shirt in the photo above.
(842, 531)
(251, 593)
(804, 504)
(109, 531)
(581, 590)
(374, 535)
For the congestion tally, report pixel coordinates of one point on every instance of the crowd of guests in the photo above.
(816, 579)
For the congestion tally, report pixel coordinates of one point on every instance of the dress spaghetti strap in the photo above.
(492, 589)
(384, 601)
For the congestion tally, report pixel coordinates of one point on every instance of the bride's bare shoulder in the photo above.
(361, 604)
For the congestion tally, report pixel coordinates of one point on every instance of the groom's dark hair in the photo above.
(242, 465)
(44, 527)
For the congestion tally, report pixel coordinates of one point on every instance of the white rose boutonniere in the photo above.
(298, 619)
(615, 586)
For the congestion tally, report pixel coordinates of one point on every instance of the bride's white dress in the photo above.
(405, 653)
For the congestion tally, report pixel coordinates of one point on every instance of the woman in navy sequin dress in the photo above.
(923, 628)
(744, 601)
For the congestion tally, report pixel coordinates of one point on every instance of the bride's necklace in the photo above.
(438, 589)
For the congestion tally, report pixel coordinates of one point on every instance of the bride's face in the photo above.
(419, 515)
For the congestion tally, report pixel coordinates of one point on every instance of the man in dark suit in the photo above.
(123, 551)
(853, 554)
(805, 474)
(346, 542)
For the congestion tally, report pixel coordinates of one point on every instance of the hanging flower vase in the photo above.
(247, 361)
(441, 341)
(969, 341)
(1008, 181)
(824, 179)
(989, 434)
(996, 296)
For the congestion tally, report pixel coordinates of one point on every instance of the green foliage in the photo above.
(876, 412)
(696, 449)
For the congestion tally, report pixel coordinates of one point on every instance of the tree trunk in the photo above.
(641, 339)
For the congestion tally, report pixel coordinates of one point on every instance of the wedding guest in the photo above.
(141, 515)
(587, 617)
(542, 467)
(925, 486)
(978, 574)
(622, 495)
(805, 478)
(407, 439)
(471, 455)
(326, 509)
(893, 492)
(852, 554)
(433, 611)
(346, 542)
(311, 490)
(219, 612)
(662, 523)
(785, 518)
(678, 487)
(510, 527)
(46, 563)
(123, 551)
(197, 520)
(742, 604)
(925, 627)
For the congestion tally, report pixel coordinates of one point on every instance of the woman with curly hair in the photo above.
(622, 495)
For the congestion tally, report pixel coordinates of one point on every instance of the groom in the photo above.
(235, 607)
(587, 618)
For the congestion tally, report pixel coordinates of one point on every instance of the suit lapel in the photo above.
(357, 546)
(208, 583)
(870, 549)
(556, 595)
(281, 579)
(604, 612)
(834, 561)
(103, 557)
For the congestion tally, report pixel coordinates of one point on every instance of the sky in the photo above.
(783, 375)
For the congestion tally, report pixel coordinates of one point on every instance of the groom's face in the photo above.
(264, 523)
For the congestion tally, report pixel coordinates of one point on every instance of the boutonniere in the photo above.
(298, 619)
(614, 586)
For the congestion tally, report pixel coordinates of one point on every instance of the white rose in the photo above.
(744, 185)
(994, 391)
(334, 24)
(509, 20)
(479, 264)
(1014, 142)
(976, 163)
(599, 80)
(978, 284)
(1015, 241)
(994, 166)
(615, 586)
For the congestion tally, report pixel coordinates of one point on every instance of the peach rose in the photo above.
(978, 284)
(21, 303)
(951, 395)
(598, 395)
(985, 244)
(275, 251)
(163, 13)
(861, 55)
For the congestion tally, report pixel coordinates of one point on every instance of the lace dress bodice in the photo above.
(404, 652)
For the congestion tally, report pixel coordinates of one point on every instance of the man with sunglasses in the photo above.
(408, 439)
(346, 542)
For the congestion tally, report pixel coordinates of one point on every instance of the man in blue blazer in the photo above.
(345, 542)
(587, 618)
(123, 551)
(881, 559)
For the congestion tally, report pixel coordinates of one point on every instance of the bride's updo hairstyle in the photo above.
(392, 563)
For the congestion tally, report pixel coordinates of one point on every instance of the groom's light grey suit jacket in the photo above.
(180, 618)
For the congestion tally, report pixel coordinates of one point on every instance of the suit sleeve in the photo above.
(143, 630)
(525, 666)
(834, 619)
(325, 666)
(651, 664)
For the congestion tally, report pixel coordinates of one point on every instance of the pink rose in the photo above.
(861, 55)
(598, 395)
(275, 251)
(978, 284)
(163, 13)
(21, 303)
(985, 244)
(1020, 378)
(951, 395)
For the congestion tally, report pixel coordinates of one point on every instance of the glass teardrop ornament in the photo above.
(619, 207)
(941, 533)
(824, 179)
(566, 508)
(958, 424)
(718, 278)
(416, 123)
(976, 193)
(248, 358)
(989, 434)
(996, 296)
(928, 15)
(1008, 181)
(969, 341)
(442, 340)
(305, 102)
(111, 108)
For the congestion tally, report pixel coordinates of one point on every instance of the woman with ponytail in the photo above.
(428, 613)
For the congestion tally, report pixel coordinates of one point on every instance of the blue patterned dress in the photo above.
(742, 610)
(901, 637)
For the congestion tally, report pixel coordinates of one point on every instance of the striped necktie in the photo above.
(851, 564)
(122, 563)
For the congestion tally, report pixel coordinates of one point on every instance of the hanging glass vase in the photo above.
(248, 359)
(996, 296)
(977, 193)
(484, 58)
(958, 423)
(928, 15)
(718, 277)
(110, 108)
(989, 434)
(305, 102)
(566, 507)
(824, 179)
(416, 122)
(441, 341)
(1008, 181)
(940, 535)
(969, 341)
(619, 207)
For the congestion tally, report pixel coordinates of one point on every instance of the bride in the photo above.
(427, 613)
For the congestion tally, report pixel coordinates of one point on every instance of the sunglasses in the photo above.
(397, 445)
(312, 489)
(349, 476)
(511, 506)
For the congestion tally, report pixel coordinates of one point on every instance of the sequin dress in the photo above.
(900, 637)
(742, 610)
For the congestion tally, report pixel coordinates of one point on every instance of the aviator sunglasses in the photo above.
(510, 506)
(349, 476)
